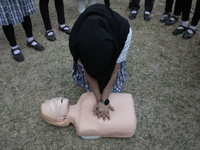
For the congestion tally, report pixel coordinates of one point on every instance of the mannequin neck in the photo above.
(73, 114)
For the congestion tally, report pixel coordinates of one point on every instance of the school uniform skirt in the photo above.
(13, 11)
(80, 79)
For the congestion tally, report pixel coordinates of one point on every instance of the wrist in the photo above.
(105, 101)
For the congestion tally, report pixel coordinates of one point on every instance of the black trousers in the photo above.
(186, 7)
(196, 16)
(148, 5)
(44, 10)
(107, 2)
(177, 7)
(9, 31)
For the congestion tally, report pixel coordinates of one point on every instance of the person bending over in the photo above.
(99, 43)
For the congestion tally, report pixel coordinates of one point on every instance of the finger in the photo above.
(111, 108)
(95, 107)
(108, 115)
(104, 117)
(99, 114)
(95, 112)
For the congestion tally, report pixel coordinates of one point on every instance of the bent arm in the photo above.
(107, 89)
(94, 85)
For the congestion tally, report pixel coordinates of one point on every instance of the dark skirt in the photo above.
(80, 79)
(13, 11)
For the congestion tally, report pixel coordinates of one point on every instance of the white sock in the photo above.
(134, 12)
(193, 27)
(184, 23)
(165, 15)
(147, 12)
(14, 47)
(172, 18)
(63, 25)
(50, 32)
(17, 51)
(190, 31)
(31, 39)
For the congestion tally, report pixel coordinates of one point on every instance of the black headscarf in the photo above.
(97, 39)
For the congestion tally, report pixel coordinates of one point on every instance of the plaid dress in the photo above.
(13, 11)
(80, 79)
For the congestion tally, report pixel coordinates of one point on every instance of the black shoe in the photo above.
(132, 15)
(68, 31)
(171, 22)
(179, 31)
(50, 37)
(37, 47)
(165, 17)
(147, 17)
(188, 35)
(18, 57)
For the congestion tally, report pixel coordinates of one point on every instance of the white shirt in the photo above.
(122, 56)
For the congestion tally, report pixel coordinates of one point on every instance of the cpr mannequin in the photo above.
(59, 112)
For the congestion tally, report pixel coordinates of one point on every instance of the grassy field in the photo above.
(163, 76)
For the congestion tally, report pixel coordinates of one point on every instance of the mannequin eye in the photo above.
(61, 100)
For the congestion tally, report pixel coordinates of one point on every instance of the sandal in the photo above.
(37, 47)
(188, 35)
(171, 21)
(65, 29)
(165, 17)
(50, 37)
(179, 31)
(19, 56)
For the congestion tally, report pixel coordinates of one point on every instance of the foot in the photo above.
(179, 30)
(172, 20)
(189, 33)
(65, 29)
(147, 17)
(165, 17)
(133, 15)
(36, 46)
(50, 35)
(17, 55)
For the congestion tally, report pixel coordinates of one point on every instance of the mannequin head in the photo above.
(54, 111)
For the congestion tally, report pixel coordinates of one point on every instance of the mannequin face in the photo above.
(57, 107)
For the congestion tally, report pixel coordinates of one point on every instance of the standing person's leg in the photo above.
(178, 8)
(177, 12)
(27, 25)
(44, 10)
(168, 10)
(186, 7)
(80, 5)
(61, 16)
(195, 19)
(134, 9)
(107, 2)
(10, 35)
(148, 9)
(196, 16)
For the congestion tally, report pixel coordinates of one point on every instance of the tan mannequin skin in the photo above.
(122, 123)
